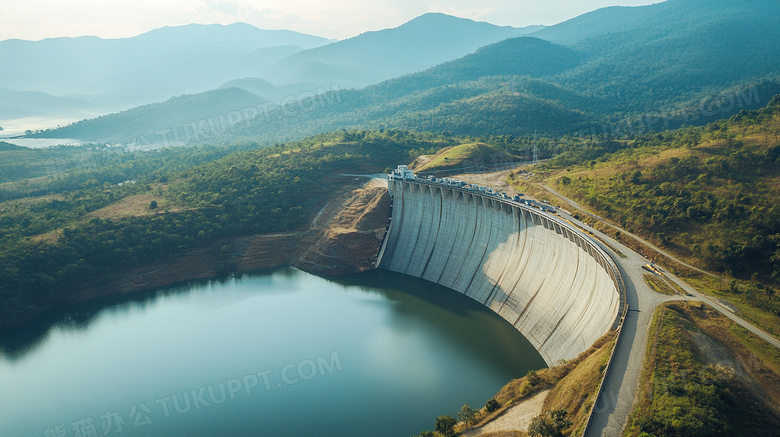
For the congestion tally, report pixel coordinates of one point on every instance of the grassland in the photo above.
(704, 376)
(469, 156)
(660, 285)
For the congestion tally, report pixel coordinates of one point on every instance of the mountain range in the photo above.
(612, 65)
(372, 57)
(113, 74)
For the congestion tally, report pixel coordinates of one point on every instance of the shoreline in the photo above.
(344, 238)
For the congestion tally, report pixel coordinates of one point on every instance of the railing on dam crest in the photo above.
(540, 214)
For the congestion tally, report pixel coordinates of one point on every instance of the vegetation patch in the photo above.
(702, 379)
(658, 284)
(572, 386)
(132, 206)
(469, 157)
(708, 195)
(106, 218)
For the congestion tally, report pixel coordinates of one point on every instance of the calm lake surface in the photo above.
(284, 353)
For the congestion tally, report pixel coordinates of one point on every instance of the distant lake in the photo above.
(283, 353)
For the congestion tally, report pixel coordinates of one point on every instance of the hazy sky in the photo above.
(38, 19)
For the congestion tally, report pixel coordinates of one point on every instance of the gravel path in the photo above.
(516, 418)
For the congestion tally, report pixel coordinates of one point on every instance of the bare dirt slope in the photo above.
(350, 240)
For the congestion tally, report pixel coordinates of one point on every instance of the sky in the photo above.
(338, 19)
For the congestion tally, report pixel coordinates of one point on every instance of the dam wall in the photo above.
(537, 271)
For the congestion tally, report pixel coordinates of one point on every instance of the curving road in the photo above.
(620, 387)
(713, 302)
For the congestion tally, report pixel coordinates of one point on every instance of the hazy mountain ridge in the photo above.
(115, 74)
(659, 19)
(27, 103)
(522, 85)
(121, 73)
(375, 56)
(178, 119)
(678, 49)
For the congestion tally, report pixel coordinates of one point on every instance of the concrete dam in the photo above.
(537, 271)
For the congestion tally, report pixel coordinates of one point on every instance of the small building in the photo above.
(402, 172)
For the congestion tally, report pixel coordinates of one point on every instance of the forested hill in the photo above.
(83, 224)
(651, 56)
(177, 120)
(523, 56)
(709, 194)
(666, 60)
(372, 57)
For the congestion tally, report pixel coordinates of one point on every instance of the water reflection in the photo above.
(407, 351)
(17, 341)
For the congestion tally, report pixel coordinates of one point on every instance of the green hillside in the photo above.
(686, 390)
(708, 195)
(463, 155)
(52, 242)
(711, 192)
(179, 119)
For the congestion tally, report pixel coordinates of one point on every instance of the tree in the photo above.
(541, 426)
(533, 378)
(153, 204)
(467, 414)
(550, 425)
(565, 180)
(559, 419)
(445, 425)
(492, 405)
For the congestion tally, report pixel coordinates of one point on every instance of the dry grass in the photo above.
(505, 434)
(716, 287)
(658, 285)
(32, 200)
(601, 171)
(698, 340)
(576, 392)
(455, 156)
(760, 359)
(572, 386)
(50, 237)
(132, 206)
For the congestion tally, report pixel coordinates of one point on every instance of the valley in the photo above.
(644, 137)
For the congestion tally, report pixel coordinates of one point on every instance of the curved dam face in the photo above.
(549, 280)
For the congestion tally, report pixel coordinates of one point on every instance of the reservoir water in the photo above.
(283, 353)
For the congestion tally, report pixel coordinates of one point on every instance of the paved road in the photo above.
(713, 302)
(620, 387)
(726, 311)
